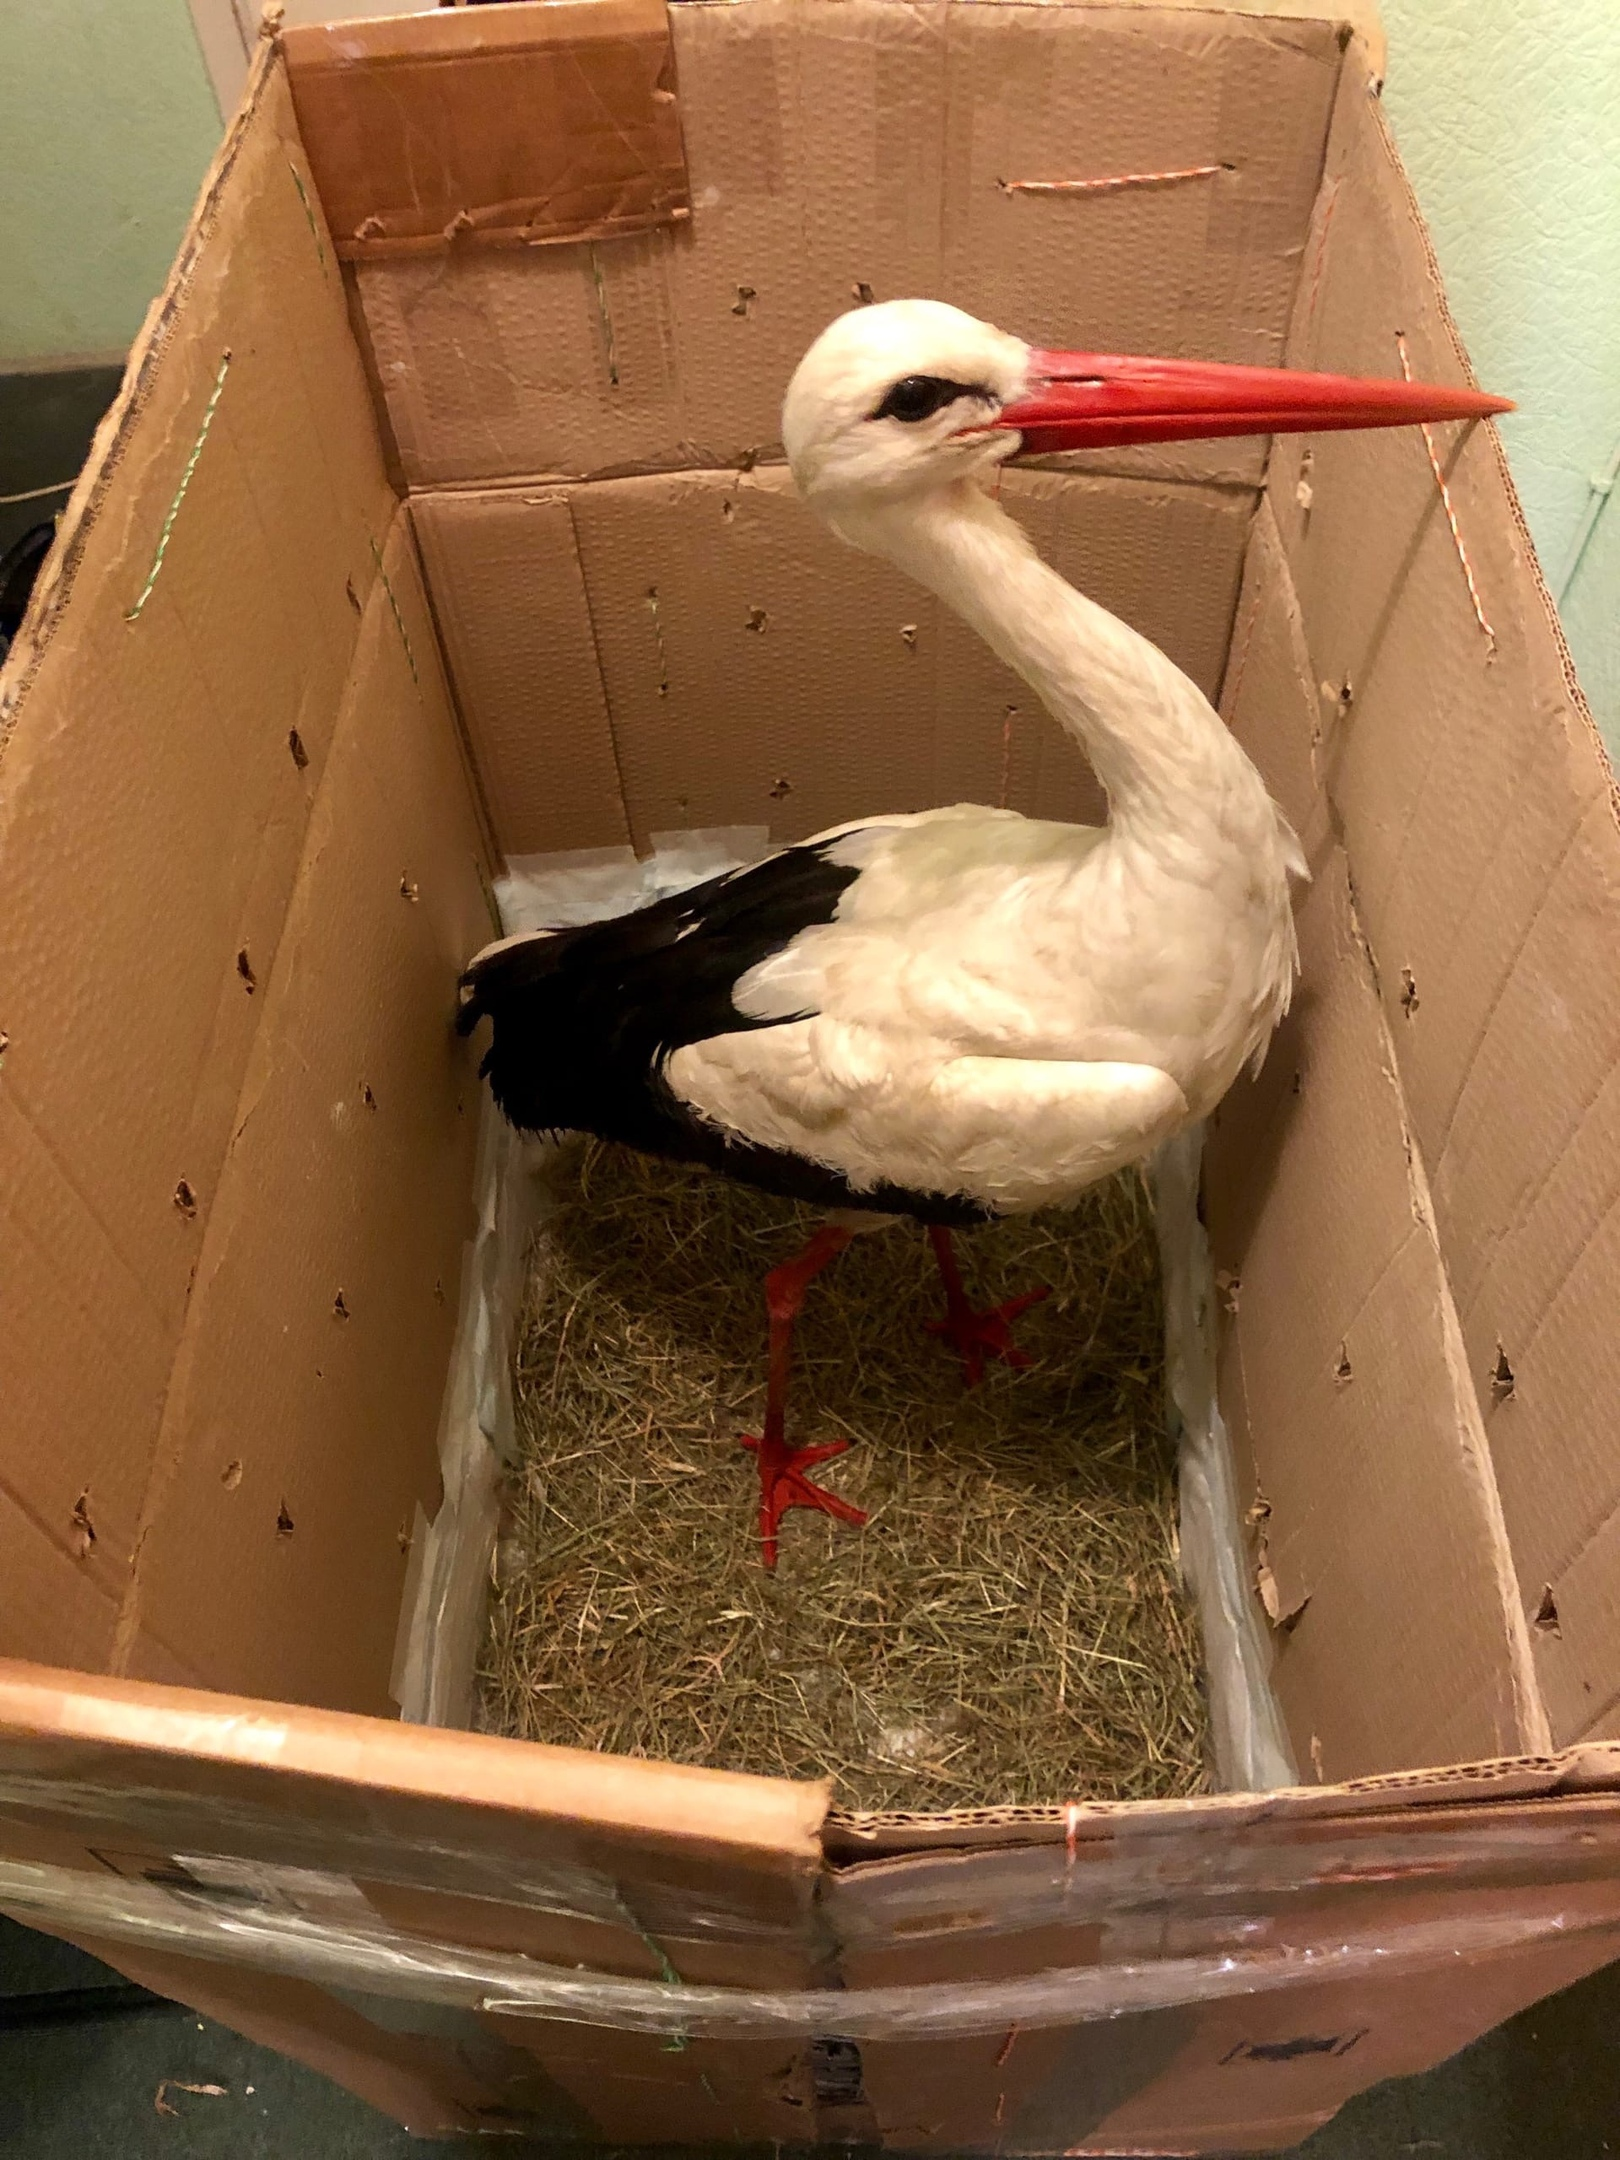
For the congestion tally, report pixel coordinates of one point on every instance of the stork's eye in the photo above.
(919, 397)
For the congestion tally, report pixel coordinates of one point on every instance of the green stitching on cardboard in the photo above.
(309, 212)
(404, 634)
(678, 2042)
(180, 491)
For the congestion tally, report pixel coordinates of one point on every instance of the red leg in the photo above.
(782, 1482)
(977, 1335)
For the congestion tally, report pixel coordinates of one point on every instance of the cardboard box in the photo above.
(430, 525)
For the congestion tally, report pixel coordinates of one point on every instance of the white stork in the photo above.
(960, 1013)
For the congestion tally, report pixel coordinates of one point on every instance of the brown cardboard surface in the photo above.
(1488, 903)
(301, 1422)
(838, 146)
(635, 2086)
(526, 125)
(1353, 1417)
(510, 599)
(1257, 2075)
(702, 640)
(150, 826)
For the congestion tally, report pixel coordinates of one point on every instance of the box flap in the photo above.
(164, 722)
(1488, 902)
(513, 125)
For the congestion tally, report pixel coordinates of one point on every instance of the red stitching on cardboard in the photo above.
(1321, 253)
(1451, 513)
(1111, 181)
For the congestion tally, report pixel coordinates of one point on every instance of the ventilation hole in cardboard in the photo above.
(403, 1533)
(84, 1530)
(908, 635)
(728, 510)
(1343, 35)
(745, 295)
(295, 743)
(366, 1095)
(340, 1309)
(185, 1199)
(835, 2072)
(354, 597)
(1341, 1371)
(231, 1476)
(748, 460)
(244, 968)
(658, 640)
(864, 295)
(409, 890)
(1547, 1614)
(438, 1293)
(1501, 1376)
(779, 788)
(1298, 1080)
(1409, 995)
(1346, 695)
(284, 1522)
(610, 351)
(1230, 1287)
(757, 618)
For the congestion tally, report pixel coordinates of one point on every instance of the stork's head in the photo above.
(899, 398)
(904, 397)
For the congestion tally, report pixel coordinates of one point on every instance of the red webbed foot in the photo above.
(783, 1485)
(974, 1335)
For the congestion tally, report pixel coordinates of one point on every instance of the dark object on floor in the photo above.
(19, 567)
(47, 418)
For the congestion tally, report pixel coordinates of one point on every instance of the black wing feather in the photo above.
(584, 1021)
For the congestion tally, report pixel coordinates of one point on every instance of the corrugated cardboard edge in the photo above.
(855, 1837)
(55, 583)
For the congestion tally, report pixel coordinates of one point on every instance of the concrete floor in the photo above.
(81, 2070)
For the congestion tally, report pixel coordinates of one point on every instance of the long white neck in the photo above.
(1167, 761)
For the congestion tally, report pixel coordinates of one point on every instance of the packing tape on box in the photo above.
(224, 1923)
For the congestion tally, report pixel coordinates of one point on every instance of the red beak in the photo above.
(1083, 401)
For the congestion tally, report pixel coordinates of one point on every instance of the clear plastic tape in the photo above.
(1149, 1867)
(274, 1838)
(1252, 1753)
(442, 1611)
(336, 1955)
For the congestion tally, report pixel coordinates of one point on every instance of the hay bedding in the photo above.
(1009, 1628)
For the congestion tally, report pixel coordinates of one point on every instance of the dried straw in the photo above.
(1009, 1629)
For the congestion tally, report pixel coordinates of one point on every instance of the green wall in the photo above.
(1508, 116)
(107, 123)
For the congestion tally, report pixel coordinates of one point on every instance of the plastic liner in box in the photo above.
(444, 1596)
